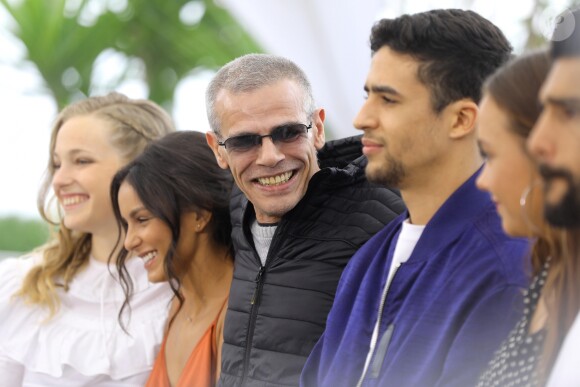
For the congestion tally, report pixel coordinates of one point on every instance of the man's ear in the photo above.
(464, 118)
(212, 141)
(318, 128)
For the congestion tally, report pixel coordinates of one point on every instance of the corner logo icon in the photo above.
(558, 26)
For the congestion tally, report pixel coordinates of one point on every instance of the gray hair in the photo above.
(251, 72)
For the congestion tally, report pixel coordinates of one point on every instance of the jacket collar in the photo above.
(456, 215)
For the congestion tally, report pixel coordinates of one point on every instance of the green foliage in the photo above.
(63, 38)
(58, 45)
(170, 48)
(22, 234)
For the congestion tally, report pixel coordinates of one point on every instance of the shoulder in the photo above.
(488, 226)
(486, 249)
(371, 257)
(344, 197)
(18, 321)
(13, 271)
(84, 336)
(342, 178)
(341, 152)
(342, 214)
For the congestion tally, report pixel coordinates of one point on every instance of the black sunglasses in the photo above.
(280, 134)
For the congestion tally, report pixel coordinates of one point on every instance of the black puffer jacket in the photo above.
(277, 312)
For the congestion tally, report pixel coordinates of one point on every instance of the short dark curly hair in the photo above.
(457, 50)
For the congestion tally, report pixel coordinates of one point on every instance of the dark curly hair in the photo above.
(457, 50)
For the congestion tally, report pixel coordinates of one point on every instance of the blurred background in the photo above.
(53, 52)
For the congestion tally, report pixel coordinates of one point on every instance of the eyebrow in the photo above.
(135, 211)
(382, 89)
(566, 103)
(73, 152)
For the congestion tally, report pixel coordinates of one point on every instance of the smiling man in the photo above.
(429, 298)
(306, 208)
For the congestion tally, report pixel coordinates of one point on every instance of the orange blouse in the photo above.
(200, 369)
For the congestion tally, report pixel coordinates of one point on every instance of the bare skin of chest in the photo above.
(184, 335)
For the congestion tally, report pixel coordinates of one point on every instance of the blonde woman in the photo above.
(59, 305)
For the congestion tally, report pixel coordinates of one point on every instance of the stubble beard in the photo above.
(390, 173)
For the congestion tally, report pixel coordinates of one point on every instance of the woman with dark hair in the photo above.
(173, 203)
(508, 112)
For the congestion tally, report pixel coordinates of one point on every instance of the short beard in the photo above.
(391, 175)
(566, 213)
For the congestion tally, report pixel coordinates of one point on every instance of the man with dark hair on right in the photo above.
(429, 298)
(555, 142)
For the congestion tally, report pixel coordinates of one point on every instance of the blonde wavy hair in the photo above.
(136, 123)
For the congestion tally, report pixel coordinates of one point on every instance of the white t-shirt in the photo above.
(566, 371)
(83, 344)
(408, 238)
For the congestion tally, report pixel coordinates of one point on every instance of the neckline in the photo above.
(210, 328)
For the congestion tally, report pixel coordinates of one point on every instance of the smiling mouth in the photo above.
(69, 201)
(149, 256)
(275, 180)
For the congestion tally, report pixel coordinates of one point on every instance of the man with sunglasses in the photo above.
(304, 209)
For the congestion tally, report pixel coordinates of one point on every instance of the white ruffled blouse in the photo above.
(83, 344)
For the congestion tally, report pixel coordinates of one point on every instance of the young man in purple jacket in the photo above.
(428, 299)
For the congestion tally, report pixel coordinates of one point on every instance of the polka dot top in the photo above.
(514, 364)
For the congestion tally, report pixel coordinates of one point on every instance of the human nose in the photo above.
(364, 119)
(269, 154)
(61, 177)
(539, 142)
(482, 181)
(132, 240)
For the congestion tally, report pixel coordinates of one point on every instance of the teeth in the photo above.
(149, 256)
(275, 180)
(73, 200)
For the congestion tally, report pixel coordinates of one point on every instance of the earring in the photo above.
(198, 226)
(523, 202)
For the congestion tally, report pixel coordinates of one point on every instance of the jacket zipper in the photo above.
(255, 302)
(259, 284)
(375, 339)
(252, 325)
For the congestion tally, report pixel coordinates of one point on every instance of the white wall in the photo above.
(327, 38)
